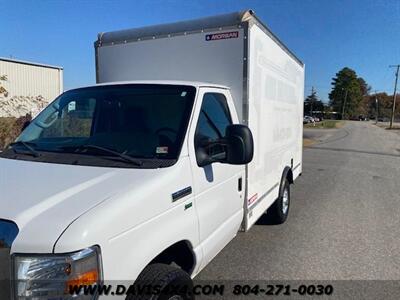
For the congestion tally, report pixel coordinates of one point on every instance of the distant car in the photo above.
(316, 119)
(308, 119)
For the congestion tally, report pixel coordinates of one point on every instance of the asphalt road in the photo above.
(344, 221)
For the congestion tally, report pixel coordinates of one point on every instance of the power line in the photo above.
(394, 94)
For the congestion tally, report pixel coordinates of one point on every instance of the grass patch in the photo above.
(326, 124)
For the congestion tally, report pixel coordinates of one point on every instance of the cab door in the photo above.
(218, 186)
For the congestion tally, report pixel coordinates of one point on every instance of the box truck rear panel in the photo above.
(237, 51)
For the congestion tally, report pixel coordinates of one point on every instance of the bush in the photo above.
(10, 128)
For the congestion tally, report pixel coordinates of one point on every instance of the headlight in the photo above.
(50, 276)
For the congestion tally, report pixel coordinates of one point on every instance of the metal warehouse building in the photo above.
(28, 86)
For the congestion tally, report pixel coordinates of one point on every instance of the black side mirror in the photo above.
(205, 149)
(240, 145)
(235, 148)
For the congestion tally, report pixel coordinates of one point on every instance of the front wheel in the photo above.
(162, 282)
(279, 211)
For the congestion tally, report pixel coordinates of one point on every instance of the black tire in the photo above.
(165, 282)
(276, 213)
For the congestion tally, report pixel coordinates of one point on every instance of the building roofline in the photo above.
(23, 62)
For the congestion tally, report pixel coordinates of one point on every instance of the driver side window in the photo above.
(213, 119)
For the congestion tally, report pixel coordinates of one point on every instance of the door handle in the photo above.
(240, 183)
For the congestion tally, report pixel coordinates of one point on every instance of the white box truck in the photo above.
(192, 133)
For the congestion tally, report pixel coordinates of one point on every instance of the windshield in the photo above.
(139, 121)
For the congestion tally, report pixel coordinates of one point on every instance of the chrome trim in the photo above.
(244, 117)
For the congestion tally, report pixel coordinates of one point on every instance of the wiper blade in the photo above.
(125, 157)
(32, 151)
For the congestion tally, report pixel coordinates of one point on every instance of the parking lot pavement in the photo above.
(318, 135)
(344, 218)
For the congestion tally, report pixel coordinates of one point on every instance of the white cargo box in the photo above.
(234, 50)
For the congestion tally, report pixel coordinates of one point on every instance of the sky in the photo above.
(326, 35)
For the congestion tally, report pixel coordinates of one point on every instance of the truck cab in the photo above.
(193, 132)
(113, 178)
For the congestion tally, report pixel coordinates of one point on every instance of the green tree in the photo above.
(313, 103)
(385, 103)
(364, 87)
(347, 92)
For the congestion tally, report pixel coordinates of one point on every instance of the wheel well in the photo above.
(289, 176)
(180, 253)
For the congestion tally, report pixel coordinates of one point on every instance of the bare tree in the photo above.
(2, 88)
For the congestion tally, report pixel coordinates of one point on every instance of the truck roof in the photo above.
(213, 23)
(196, 84)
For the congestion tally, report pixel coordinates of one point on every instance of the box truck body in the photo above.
(193, 132)
(238, 51)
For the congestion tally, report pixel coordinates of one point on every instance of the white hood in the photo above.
(43, 199)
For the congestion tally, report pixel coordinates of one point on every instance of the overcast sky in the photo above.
(326, 35)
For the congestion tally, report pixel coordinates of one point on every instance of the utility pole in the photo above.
(344, 103)
(394, 94)
(312, 101)
(376, 107)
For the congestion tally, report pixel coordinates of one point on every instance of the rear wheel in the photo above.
(279, 211)
(162, 282)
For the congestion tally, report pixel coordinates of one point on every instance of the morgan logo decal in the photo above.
(222, 36)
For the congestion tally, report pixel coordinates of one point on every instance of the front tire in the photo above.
(167, 282)
(279, 211)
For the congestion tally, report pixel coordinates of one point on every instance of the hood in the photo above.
(43, 199)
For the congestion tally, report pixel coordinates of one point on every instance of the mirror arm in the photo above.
(210, 159)
(220, 142)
